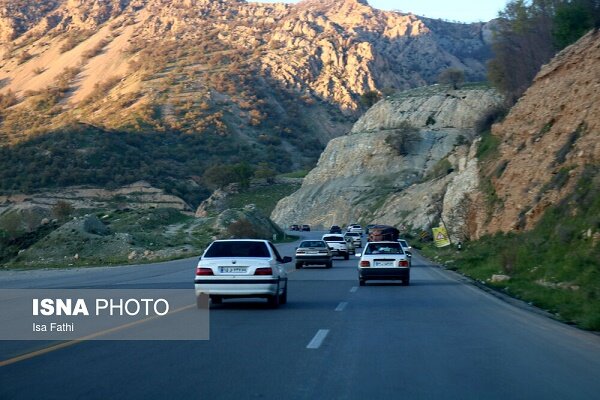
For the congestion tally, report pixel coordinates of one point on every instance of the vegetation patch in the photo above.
(265, 198)
(553, 266)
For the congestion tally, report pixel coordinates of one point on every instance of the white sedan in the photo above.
(383, 260)
(242, 268)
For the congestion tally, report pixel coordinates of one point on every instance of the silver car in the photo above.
(311, 252)
(242, 268)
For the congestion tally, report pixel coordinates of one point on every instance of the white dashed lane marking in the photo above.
(317, 341)
(341, 306)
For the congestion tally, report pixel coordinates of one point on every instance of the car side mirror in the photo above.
(358, 254)
(286, 259)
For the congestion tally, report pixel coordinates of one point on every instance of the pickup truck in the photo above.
(338, 245)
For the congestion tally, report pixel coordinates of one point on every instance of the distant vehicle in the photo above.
(380, 233)
(383, 260)
(335, 229)
(406, 247)
(242, 268)
(305, 227)
(311, 252)
(351, 245)
(294, 227)
(355, 237)
(354, 228)
(337, 244)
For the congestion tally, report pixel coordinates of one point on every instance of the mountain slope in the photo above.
(275, 81)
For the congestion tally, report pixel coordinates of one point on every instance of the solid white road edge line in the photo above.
(316, 341)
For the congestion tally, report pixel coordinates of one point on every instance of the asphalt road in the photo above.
(439, 338)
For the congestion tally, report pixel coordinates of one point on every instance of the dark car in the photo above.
(294, 227)
(335, 229)
(306, 227)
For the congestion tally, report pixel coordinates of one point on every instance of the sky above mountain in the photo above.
(457, 10)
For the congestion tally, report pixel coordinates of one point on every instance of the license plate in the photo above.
(383, 263)
(233, 270)
(312, 252)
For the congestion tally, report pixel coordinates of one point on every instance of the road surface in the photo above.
(439, 338)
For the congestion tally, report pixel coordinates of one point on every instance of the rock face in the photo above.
(396, 163)
(230, 64)
(137, 195)
(547, 139)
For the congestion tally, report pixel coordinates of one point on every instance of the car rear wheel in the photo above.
(298, 265)
(283, 296)
(216, 299)
(329, 264)
(274, 300)
(362, 282)
(346, 256)
(406, 282)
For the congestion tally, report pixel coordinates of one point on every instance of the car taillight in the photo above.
(263, 271)
(204, 271)
(403, 263)
(365, 264)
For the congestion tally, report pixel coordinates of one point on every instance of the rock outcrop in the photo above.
(397, 162)
(137, 195)
(547, 140)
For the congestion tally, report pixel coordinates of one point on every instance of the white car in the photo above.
(407, 248)
(354, 228)
(242, 268)
(383, 260)
(355, 237)
(338, 245)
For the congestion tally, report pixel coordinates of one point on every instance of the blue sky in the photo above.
(455, 10)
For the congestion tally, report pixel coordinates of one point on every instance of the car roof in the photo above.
(333, 234)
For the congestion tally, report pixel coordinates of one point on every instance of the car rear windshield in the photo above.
(384, 248)
(313, 243)
(238, 249)
(333, 238)
(353, 234)
(403, 243)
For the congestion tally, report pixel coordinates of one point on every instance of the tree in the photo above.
(62, 210)
(243, 172)
(219, 176)
(369, 98)
(452, 76)
(573, 19)
(522, 44)
(263, 171)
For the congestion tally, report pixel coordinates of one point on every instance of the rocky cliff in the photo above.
(548, 139)
(396, 164)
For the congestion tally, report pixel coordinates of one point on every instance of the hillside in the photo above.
(397, 163)
(547, 142)
(262, 82)
(524, 198)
